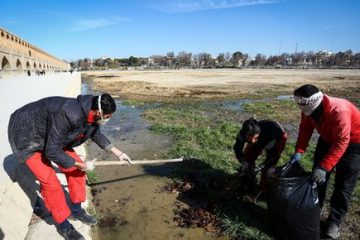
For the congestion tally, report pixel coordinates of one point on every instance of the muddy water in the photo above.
(132, 205)
(129, 200)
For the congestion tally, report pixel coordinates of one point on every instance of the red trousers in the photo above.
(50, 187)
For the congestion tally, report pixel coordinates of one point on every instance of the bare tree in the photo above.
(183, 59)
(221, 61)
(159, 60)
(170, 57)
(260, 59)
(84, 64)
(298, 58)
(205, 60)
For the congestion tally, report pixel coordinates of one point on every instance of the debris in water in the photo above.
(197, 217)
(178, 186)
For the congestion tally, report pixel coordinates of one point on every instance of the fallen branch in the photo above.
(105, 163)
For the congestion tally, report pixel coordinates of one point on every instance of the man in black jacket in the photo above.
(258, 136)
(46, 131)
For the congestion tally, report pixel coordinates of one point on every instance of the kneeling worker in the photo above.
(260, 135)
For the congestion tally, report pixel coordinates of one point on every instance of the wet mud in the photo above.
(129, 201)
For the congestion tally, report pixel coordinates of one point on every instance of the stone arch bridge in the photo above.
(17, 55)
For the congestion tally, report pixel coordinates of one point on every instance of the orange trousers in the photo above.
(50, 187)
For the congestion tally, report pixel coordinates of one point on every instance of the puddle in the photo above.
(285, 97)
(133, 207)
(235, 105)
(128, 199)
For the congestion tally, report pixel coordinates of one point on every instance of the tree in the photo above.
(170, 59)
(221, 61)
(298, 58)
(183, 59)
(84, 64)
(260, 59)
(108, 63)
(133, 61)
(236, 59)
(272, 60)
(73, 65)
(205, 60)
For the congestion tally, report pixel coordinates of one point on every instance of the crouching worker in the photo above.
(259, 135)
(46, 131)
(338, 123)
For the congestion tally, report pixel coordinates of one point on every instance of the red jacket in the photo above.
(339, 125)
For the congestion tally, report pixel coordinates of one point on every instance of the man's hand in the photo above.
(124, 157)
(295, 158)
(318, 175)
(245, 166)
(244, 163)
(90, 165)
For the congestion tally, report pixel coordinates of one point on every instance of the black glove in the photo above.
(318, 175)
(268, 163)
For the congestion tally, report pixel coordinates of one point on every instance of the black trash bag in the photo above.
(293, 204)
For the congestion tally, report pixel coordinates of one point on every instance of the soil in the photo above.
(214, 83)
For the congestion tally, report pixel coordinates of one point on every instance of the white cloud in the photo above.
(201, 5)
(85, 24)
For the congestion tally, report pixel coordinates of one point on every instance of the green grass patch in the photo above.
(206, 136)
(278, 110)
(92, 176)
(132, 103)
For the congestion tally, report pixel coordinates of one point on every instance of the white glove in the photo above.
(124, 157)
(90, 165)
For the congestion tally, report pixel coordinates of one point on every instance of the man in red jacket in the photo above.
(338, 123)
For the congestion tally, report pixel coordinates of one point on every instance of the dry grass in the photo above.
(218, 84)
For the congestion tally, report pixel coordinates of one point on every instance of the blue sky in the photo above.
(121, 28)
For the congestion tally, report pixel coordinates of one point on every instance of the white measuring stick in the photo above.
(105, 163)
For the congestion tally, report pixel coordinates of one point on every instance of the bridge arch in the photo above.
(18, 65)
(28, 66)
(5, 64)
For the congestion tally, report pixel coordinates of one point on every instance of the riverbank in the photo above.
(203, 129)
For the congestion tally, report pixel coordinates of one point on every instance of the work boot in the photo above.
(333, 231)
(83, 217)
(70, 233)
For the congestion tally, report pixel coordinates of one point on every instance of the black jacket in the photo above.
(270, 133)
(51, 125)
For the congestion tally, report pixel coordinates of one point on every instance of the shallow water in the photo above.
(129, 200)
(132, 205)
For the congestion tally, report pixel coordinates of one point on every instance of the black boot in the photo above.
(70, 233)
(83, 217)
